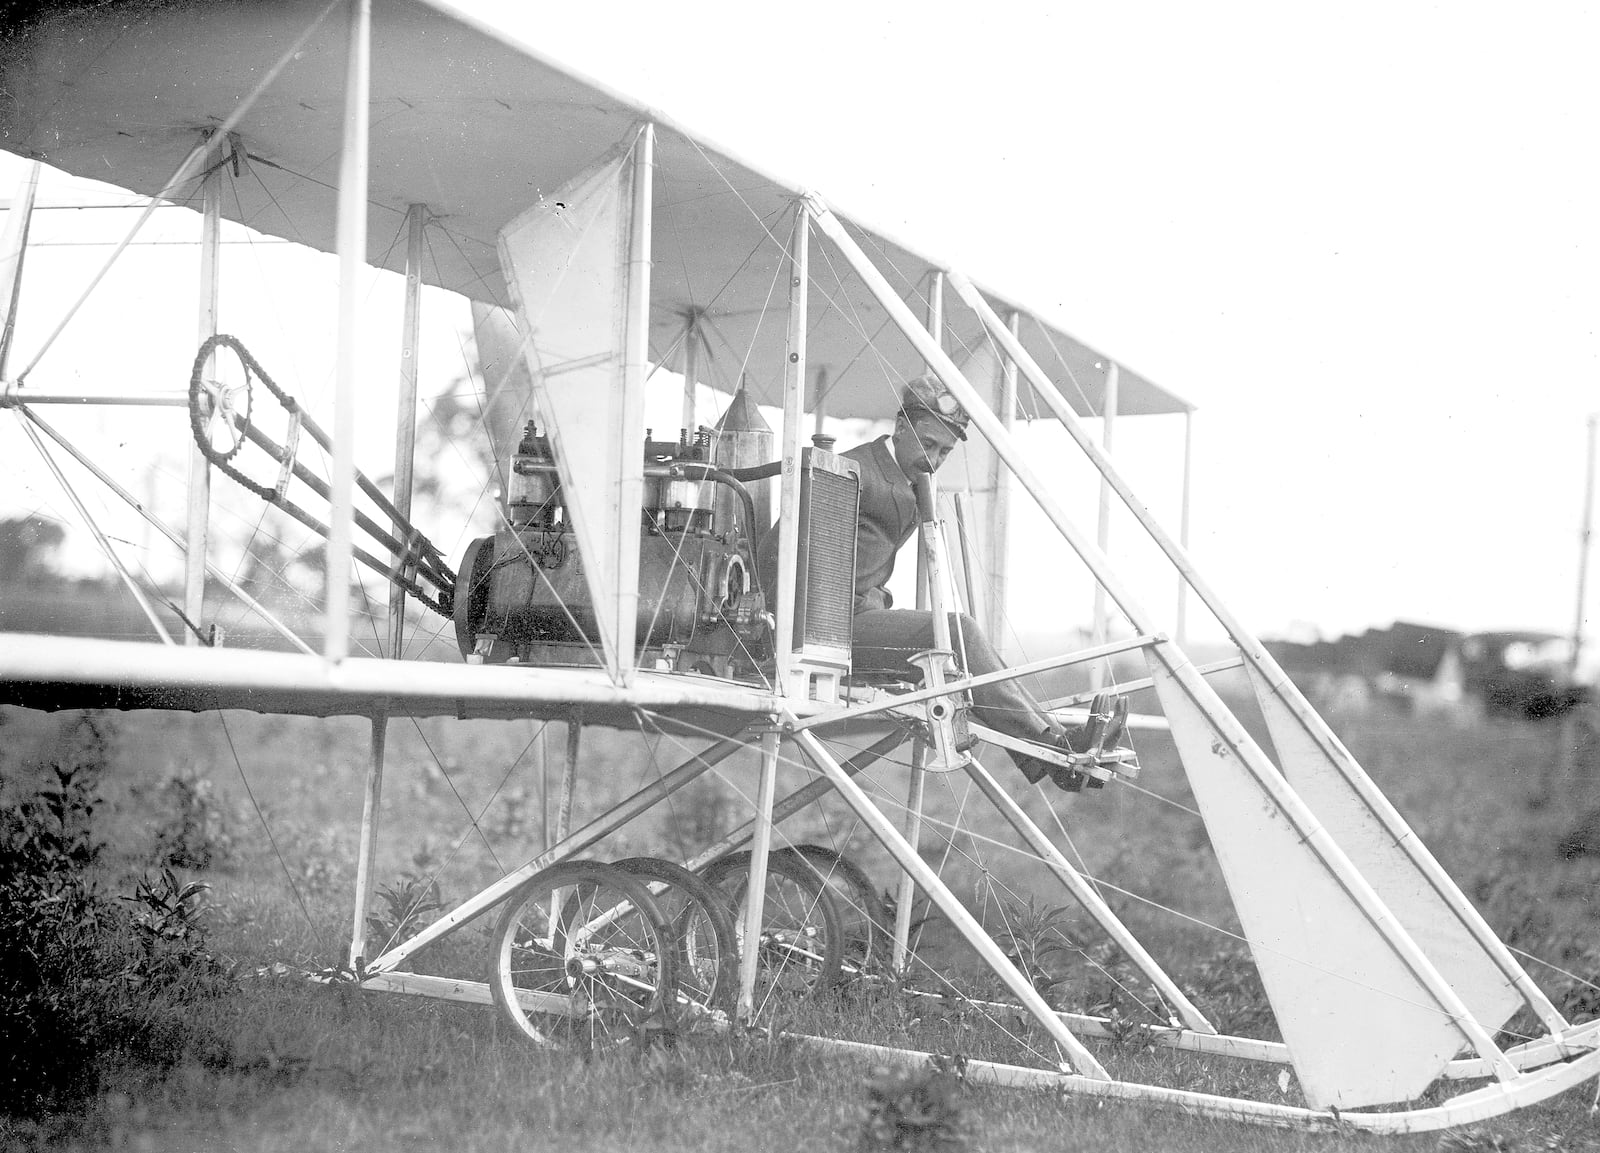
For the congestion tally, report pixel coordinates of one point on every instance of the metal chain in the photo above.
(198, 418)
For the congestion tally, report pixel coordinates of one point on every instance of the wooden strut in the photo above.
(405, 437)
(1331, 748)
(100, 537)
(352, 245)
(1479, 1105)
(1230, 734)
(367, 853)
(197, 524)
(965, 684)
(620, 814)
(172, 534)
(948, 903)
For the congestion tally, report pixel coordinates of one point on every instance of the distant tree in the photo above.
(458, 476)
(28, 548)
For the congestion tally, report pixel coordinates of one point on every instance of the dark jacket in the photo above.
(887, 519)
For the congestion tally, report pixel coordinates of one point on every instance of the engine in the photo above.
(521, 594)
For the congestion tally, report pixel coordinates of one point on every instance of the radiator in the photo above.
(830, 495)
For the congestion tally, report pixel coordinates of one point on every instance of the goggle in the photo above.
(947, 410)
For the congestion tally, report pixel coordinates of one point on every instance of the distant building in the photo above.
(1432, 670)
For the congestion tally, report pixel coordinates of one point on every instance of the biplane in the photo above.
(599, 242)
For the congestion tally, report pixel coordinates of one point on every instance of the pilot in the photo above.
(927, 428)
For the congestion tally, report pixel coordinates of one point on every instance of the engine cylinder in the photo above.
(533, 495)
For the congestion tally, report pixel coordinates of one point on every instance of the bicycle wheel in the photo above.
(868, 928)
(582, 957)
(707, 962)
(801, 947)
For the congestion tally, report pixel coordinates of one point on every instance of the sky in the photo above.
(1362, 240)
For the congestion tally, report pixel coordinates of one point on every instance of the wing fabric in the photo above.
(566, 260)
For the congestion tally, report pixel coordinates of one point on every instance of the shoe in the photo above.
(1036, 769)
(1032, 768)
(1109, 715)
(1070, 780)
(1116, 724)
(1066, 779)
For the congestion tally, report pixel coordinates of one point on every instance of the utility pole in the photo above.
(1569, 720)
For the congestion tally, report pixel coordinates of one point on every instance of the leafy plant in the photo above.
(407, 905)
(1036, 942)
(70, 958)
(194, 833)
(1474, 1140)
(167, 923)
(1228, 986)
(52, 930)
(915, 1109)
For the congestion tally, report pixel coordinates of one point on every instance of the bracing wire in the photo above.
(266, 827)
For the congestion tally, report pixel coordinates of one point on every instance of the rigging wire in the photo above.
(266, 827)
(432, 878)
(180, 176)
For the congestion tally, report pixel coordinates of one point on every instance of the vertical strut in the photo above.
(755, 893)
(1181, 629)
(1102, 539)
(794, 378)
(569, 775)
(352, 236)
(1000, 518)
(906, 895)
(936, 327)
(405, 436)
(635, 368)
(691, 367)
(367, 854)
(197, 524)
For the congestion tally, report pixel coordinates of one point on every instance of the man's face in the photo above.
(922, 442)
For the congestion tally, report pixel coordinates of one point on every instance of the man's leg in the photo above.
(885, 640)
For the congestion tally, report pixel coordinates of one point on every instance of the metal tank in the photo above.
(743, 440)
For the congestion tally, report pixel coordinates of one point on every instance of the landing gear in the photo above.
(583, 958)
(802, 935)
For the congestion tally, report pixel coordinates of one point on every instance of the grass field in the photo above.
(248, 1055)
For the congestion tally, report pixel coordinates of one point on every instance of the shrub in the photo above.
(194, 832)
(52, 933)
(915, 1109)
(76, 970)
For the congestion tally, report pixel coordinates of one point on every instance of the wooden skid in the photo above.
(1479, 1105)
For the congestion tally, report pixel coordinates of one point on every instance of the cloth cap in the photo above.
(929, 394)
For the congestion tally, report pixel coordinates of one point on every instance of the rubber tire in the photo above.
(648, 935)
(868, 929)
(697, 894)
(822, 913)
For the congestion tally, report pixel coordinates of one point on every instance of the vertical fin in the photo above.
(1360, 1027)
(1379, 854)
(567, 263)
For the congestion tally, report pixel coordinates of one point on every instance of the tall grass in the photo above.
(254, 1057)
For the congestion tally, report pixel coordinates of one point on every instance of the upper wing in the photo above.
(477, 128)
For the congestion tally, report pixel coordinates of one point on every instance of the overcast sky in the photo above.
(1363, 239)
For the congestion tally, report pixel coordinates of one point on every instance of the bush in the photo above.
(77, 971)
(194, 833)
(915, 1109)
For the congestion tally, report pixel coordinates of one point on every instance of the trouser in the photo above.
(885, 639)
